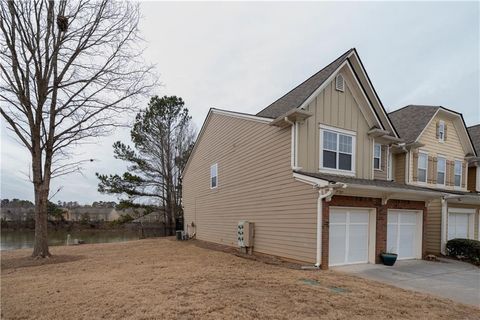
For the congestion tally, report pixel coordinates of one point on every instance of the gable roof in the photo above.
(299, 96)
(411, 120)
(295, 97)
(474, 132)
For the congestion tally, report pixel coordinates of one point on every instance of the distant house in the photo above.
(91, 214)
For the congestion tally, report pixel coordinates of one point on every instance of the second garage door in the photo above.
(404, 234)
(348, 236)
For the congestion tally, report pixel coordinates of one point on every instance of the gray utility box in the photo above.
(245, 236)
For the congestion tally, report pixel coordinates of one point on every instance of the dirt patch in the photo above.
(25, 262)
(164, 279)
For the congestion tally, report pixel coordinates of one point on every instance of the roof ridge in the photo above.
(313, 75)
(475, 125)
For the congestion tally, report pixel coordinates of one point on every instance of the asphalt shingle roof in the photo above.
(299, 94)
(411, 120)
(378, 183)
(474, 132)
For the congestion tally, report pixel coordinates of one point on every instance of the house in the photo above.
(320, 172)
(439, 152)
(473, 170)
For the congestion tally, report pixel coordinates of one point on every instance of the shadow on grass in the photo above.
(26, 262)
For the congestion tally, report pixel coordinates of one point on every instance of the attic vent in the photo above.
(340, 83)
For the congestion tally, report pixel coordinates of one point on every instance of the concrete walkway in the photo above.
(451, 279)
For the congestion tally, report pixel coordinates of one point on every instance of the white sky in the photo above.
(243, 56)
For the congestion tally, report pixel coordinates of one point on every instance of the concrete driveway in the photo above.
(451, 279)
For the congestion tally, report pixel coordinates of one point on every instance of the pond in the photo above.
(19, 239)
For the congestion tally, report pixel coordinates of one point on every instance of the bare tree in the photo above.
(69, 72)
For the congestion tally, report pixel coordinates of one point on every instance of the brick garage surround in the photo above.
(381, 217)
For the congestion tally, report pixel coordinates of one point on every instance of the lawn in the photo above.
(166, 279)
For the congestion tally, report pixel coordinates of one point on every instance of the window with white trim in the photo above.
(422, 167)
(377, 156)
(458, 173)
(441, 131)
(441, 169)
(213, 176)
(337, 150)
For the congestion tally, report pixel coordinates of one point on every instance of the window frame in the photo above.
(338, 132)
(379, 158)
(444, 170)
(215, 165)
(441, 129)
(426, 166)
(455, 173)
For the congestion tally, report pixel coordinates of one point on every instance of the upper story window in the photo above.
(213, 176)
(458, 173)
(377, 156)
(422, 167)
(441, 169)
(441, 131)
(337, 150)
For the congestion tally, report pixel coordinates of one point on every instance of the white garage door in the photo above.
(348, 236)
(458, 225)
(403, 234)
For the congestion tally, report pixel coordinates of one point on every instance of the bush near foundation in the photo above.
(464, 249)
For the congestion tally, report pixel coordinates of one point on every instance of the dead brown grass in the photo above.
(165, 279)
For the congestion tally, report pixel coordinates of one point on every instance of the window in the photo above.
(441, 166)
(214, 176)
(441, 130)
(377, 156)
(458, 173)
(422, 167)
(337, 150)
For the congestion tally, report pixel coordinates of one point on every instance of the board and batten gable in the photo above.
(452, 149)
(344, 110)
(255, 183)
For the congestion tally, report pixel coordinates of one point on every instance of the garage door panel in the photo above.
(358, 243)
(348, 236)
(407, 241)
(392, 238)
(403, 234)
(337, 243)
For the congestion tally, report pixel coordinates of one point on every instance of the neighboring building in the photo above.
(439, 150)
(324, 174)
(92, 214)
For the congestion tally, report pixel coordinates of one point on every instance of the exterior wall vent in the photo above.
(339, 83)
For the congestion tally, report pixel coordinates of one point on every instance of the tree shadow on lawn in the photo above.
(26, 262)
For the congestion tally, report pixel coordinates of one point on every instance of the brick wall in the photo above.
(381, 217)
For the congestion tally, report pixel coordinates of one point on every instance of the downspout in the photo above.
(292, 151)
(321, 196)
(443, 237)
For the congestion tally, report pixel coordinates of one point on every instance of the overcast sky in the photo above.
(243, 56)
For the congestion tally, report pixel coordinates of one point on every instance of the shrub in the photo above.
(464, 249)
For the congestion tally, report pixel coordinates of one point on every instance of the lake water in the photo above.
(16, 239)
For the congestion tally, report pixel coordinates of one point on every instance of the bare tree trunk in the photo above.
(40, 245)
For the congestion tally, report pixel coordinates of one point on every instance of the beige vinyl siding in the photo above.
(434, 224)
(451, 149)
(399, 167)
(255, 183)
(341, 110)
(433, 230)
(382, 173)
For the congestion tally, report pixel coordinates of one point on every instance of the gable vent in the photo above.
(339, 83)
